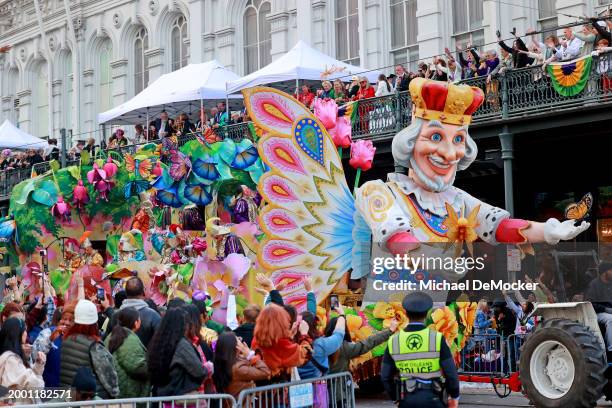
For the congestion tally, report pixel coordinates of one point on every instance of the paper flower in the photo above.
(362, 154)
(157, 170)
(80, 197)
(198, 245)
(341, 134)
(445, 322)
(110, 167)
(389, 311)
(61, 209)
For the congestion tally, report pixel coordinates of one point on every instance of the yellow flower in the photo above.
(467, 314)
(321, 318)
(444, 321)
(383, 310)
(354, 323)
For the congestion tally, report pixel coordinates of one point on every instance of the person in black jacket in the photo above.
(134, 290)
(402, 78)
(246, 329)
(175, 366)
(519, 59)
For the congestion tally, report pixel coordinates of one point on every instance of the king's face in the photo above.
(439, 148)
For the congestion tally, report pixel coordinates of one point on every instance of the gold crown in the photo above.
(443, 101)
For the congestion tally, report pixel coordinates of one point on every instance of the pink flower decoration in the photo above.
(362, 154)
(198, 245)
(80, 197)
(157, 170)
(95, 174)
(110, 167)
(238, 265)
(341, 134)
(61, 209)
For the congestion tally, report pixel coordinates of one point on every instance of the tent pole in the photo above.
(202, 124)
(297, 86)
(147, 123)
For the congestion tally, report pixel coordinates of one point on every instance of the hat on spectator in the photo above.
(354, 78)
(85, 312)
(6, 152)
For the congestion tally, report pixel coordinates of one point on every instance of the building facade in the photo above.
(72, 59)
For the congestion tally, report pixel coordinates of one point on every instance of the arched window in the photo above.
(257, 35)
(11, 83)
(68, 84)
(180, 50)
(141, 63)
(41, 119)
(404, 46)
(105, 79)
(347, 31)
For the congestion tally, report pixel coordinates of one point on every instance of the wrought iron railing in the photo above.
(514, 93)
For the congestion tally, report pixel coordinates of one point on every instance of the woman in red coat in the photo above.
(365, 91)
(306, 96)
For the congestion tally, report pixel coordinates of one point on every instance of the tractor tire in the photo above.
(562, 364)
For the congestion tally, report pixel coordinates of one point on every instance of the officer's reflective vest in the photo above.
(416, 354)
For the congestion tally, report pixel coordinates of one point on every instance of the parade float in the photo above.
(206, 217)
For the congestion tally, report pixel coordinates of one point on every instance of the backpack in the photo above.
(103, 366)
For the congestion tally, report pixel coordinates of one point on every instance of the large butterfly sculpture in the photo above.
(141, 171)
(180, 165)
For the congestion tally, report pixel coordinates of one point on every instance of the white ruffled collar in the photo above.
(428, 200)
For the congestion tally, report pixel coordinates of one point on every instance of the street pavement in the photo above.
(470, 398)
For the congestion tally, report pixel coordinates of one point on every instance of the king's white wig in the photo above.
(403, 143)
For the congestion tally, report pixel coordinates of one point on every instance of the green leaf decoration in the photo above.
(112, 245)
(22, 191)
(85, 157)
(185, 272)
(100, 162)
(55, 165)
(256, 170)
(227, 150)
(74, 172)
(46, 193)
(60, 280)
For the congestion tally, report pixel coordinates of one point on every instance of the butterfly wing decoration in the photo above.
(130, 163)
(206, 169)
(198, 195)
(135, 187)
(180, 165)
(8, 227)
(245, 156)
(578, 211)
(170, 144)
(308, 218)
(144, 168)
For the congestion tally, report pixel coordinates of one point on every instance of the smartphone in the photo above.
(101, 294)
(333, 300)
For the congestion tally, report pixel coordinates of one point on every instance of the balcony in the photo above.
(518, 93)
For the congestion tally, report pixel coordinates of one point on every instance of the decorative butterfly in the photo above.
(135, 187)
(578, 211)
(139, 167)
(8, 228)
(180, 165)
(170, 143)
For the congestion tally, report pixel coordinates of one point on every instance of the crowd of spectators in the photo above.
(127, 346)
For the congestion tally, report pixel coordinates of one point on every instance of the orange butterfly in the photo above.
(579, 210)
(141, 167)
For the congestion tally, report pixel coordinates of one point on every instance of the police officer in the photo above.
(420, 357)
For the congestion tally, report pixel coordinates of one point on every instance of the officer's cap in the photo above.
(417, 302)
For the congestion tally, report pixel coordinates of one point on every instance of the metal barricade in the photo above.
(513, 344)
(484, 354)
(182, 401)
(334, 391)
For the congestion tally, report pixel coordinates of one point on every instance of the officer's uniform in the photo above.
(420, 357)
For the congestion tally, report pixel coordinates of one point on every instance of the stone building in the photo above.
(60, 75)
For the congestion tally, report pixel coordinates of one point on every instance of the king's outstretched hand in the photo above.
(555, 230)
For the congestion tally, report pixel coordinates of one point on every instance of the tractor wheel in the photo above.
(562, 364)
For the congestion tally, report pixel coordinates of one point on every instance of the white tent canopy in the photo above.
(175, 92)
(12, 137)
(301, 62)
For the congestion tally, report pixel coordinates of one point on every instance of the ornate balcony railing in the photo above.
(515, 93)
